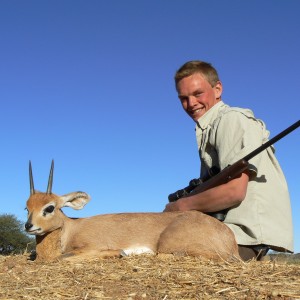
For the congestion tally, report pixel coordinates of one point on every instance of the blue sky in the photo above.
(90, 85)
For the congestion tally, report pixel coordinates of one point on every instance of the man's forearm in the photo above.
(215, 199)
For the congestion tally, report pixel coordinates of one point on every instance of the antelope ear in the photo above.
(76, 200)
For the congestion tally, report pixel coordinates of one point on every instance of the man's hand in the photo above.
(176, 206)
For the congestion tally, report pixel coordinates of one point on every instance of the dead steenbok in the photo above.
(180, 233)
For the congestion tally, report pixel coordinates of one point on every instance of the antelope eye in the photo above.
(49, 209)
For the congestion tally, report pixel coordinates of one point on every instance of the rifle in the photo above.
(216, 177)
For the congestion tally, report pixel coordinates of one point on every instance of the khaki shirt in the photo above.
(226, 134)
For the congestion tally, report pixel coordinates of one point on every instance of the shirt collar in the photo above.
(209, 116)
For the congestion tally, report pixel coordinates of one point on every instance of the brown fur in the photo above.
(180, 233)
(48, 246)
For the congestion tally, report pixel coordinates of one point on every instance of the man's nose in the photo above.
(191, 101)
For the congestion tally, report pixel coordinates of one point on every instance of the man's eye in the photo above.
(49, 209)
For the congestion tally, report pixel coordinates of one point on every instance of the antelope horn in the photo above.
(31, 180)
(50, 180)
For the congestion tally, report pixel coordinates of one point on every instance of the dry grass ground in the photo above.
(148, 277)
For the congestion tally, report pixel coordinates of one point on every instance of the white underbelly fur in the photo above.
(137, 251)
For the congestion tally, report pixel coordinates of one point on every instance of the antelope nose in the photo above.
(28, 226)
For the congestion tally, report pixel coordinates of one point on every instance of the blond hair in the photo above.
(197, 66)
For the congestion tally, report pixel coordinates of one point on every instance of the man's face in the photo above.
(197, 96)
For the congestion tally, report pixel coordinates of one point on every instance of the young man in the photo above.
(258, 203)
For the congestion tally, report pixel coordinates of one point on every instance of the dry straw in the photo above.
(148, 277)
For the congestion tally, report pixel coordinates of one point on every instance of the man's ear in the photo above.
(76, 200)
(218, 88)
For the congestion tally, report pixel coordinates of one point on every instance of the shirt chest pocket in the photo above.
(208, 154)
(210, 157)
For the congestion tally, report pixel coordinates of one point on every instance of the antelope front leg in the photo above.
(77, 255)
(48, 246)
